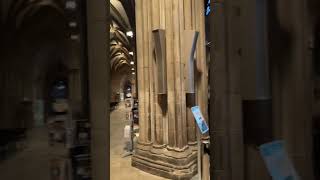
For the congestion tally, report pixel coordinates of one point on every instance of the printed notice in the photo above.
(277, 161)
(127, 130)
(199, 119)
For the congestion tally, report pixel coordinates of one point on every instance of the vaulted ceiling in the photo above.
(38, 17)
(21, 10)
(122, 15)
(33, 35)
(120, 44)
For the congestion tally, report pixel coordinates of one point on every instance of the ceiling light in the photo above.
(132, 69)
(129, 33)
(131, 53)
(132, 63)
(133, 73)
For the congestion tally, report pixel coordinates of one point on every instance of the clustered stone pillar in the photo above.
(99, 89)
(74, 79)
(292, 85)
(230, 27)
(290, 68)
(167, 143)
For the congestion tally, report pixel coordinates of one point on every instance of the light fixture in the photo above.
(132, 69)
(131, 53)
(132, 63)
(74, 37)
(71, 5)
(133, 73)
(73, 24)
(129, 33)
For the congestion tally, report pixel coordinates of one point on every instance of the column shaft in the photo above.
(164, 128)
(170, 74)
(140, 72)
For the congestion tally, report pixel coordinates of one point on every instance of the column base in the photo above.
(166, 162)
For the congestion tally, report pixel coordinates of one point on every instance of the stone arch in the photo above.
(118, 80)
(124, 81)
(34, 37)
(21, 9)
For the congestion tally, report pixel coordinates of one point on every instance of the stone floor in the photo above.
(32, 163)
(121, 168)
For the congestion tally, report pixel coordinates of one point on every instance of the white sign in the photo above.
(277, 161)
(127, 131)
(200, 119)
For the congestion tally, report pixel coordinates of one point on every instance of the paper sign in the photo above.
(127, 130)
(277, 161)
(199, 119)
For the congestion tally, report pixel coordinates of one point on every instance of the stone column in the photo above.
(74, 79)
(218, 99)
(292, 84)
(99, 78)
(166, 144)
(75, 92)
(226, 31)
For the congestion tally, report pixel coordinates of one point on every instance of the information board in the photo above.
(199, 119)
(277, 161)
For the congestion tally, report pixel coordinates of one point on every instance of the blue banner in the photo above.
(199, 119)
(277, 161)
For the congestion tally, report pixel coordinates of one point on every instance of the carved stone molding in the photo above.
(165, 162)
